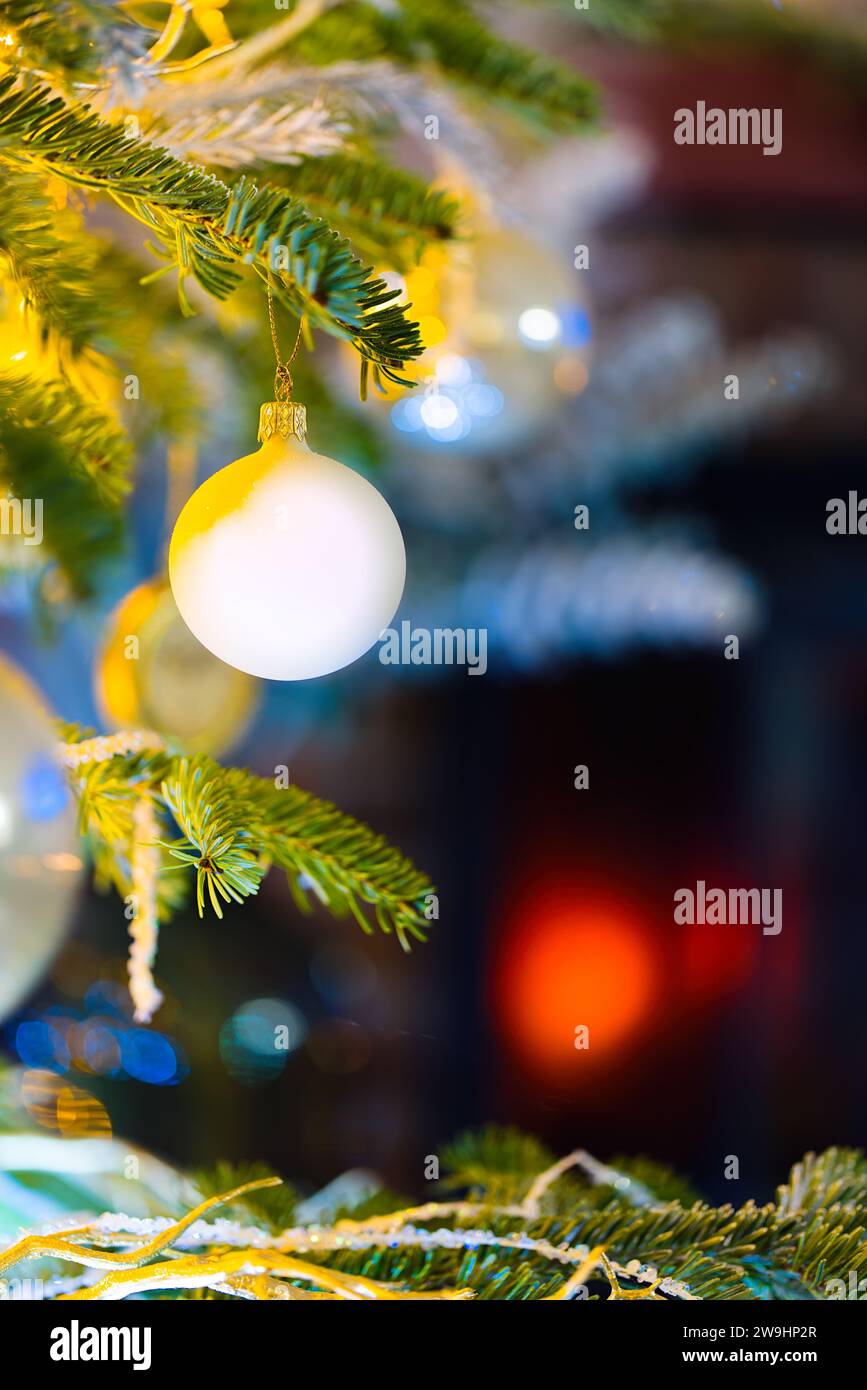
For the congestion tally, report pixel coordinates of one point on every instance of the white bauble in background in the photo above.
(507, 337)
(287, 564)
(39, 861)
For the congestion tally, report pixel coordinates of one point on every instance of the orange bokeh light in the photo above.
(564, 964)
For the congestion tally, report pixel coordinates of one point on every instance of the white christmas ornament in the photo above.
(287, 564)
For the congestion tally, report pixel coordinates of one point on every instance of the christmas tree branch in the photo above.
(699, 1251)
(575, 1229)
(233, 827)
(96, 449)
(69, 457)
(385, 212)
(53, 264)
(245, 134)
(208, 230)
(450, 36)
(367, 98)
(528, 83)
(69, 37)
(235, 824)
(91, 318)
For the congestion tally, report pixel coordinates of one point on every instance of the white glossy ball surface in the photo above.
(287, 564)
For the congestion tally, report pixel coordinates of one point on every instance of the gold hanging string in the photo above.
(283, 375)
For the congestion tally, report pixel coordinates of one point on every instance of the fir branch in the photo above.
(479, 1245)
(377, 94)
(241, 135)
(215, 835)
(84, 292)
(529, 83)
(657, 1179)
(837, 1175)
(383, 211)
(53, 264)
(634, 19)
(70, 456)
(325, 282)
(208, 230)
(274, 1206)
(494, 1164)
(233, 826)
(71, 39)
(95, 447)
(449, 35)
(108, 788)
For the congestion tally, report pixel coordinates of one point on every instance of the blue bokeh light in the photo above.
(150, 1057)
(44, 793)
(40, 1045)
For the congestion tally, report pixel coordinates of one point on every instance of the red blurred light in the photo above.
(564, 963)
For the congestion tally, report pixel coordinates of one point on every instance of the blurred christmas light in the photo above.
(716, 964)
(39, 1045)
(62, 862)
(512, 305)
(75, 968)
(150, 1057)
(539, 327)
(453, 370)
(80, 1115)
(577, 330)
(565, 965)
(98, 1048)
(438, 412)
(554, 599)
(7, 822)
(52, 1103)
(483, 400)
(44, 793)
(256, 1041)
(266, 1023)
(65, 1022)
(101, 1041)
(107, 996)
(432, 330)
(455, 398)
(571, 376)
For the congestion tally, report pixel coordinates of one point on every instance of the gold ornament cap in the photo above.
(286, 418)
